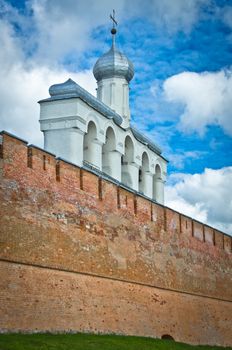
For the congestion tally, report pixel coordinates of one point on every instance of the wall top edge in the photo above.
(41, 149)
(108, 178)
(4, 132)
(70, 89)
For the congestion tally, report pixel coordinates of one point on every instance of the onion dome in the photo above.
(113, 64)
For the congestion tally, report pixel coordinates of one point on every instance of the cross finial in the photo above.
(113, 30)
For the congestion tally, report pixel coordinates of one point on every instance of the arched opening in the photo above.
(90, 148)
(126, 160)
(107, 152)
(157, 172)
(167, 337)
(143, 179)
(157, 185)
(128, 156)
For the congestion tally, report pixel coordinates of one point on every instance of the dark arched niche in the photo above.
(167, 337)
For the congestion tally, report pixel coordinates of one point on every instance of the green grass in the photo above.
(89, 342)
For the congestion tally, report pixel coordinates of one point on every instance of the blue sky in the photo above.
(158, 54)
(181, 95)
(208, 47)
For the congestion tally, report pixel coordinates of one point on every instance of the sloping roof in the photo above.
(70, 89)
(145, 140)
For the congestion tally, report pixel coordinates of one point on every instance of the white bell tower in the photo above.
(113, 72)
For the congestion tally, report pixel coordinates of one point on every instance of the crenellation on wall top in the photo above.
(143, 207)
(4, 132)
(41, 150)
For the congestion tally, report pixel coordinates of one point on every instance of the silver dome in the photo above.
(113, 64)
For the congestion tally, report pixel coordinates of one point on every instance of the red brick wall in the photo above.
(59, 216)
(45, 299)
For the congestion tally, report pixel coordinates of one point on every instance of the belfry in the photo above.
(87, 245)
(96, 131)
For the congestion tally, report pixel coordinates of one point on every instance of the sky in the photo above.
(180, 97)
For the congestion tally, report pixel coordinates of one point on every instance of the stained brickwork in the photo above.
(127, 265)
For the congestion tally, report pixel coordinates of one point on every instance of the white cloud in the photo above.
(206, 98)
(176, 14)
(206, 197)
(19, 111)
(49, 30)
(180, 158)
(22, 84)
(34, 40)
(65, 26)
(226, 14)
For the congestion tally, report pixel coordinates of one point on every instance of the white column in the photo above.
(113, 167)
(130, 175)
(159, 191)
(147, 183)
(134, 171)
(99, 92)
(112, 95)
(94, 154)
(126, 110)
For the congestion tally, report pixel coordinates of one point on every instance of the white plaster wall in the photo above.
(65, 143)
(114, 92)
(59, 108)
(65, 123)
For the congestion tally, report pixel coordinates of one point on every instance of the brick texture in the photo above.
(79, 253)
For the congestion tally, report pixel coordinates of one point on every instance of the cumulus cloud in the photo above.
(35, 39)
(226, 14)
(52, 29)
(180, 158)
(175, 14)
(19, 111)
(23, 83)
(206, 99)
(206, 197)
(66, 26)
